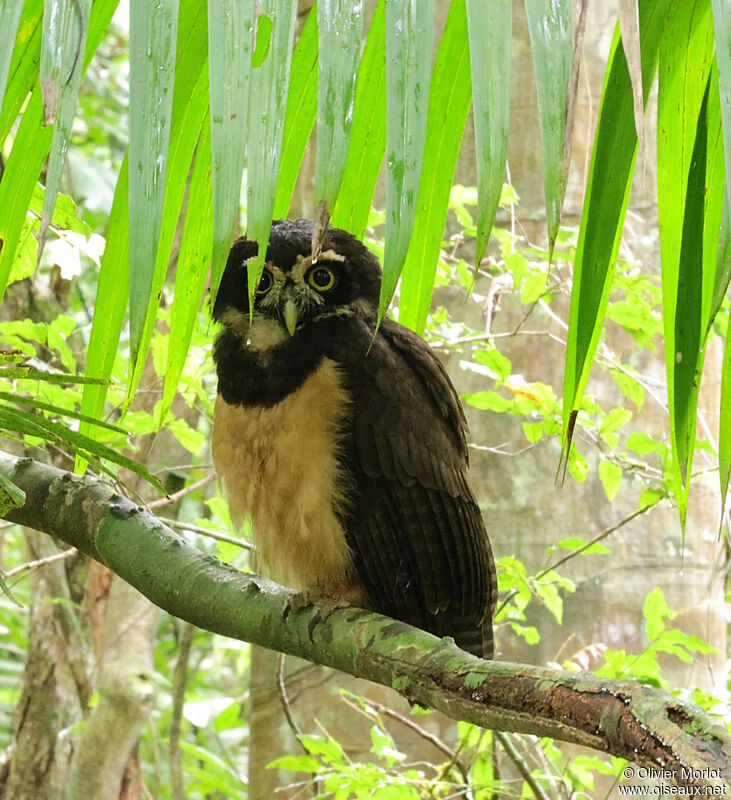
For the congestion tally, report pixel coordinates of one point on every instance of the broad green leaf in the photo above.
(152, 39)
(409, 41)
(655, 611)
(340, 29)
(23, 71)
(629, 24)
(195, 253)
(188, 113)
(605, 205)
(299, 118)
(368, 136)
(490, 31)
(109, 310)
(9, 20)
(267, 104)
(449, 105)
(682, 152)
(551, 37)
(230, 40)
(724, 435)
(722, 24)
(191, 89)
(611, 477)
(65, 23)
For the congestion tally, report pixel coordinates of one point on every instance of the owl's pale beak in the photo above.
(291, 315)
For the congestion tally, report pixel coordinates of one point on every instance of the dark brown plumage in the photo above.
(349, 452)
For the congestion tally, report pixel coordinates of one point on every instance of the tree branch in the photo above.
(636, 722)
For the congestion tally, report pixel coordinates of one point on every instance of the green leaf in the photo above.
(724, 436)
(551, 37)
(490, 33)
(299, 118)
(188, 113)
(631, 389)
(368, 136)
(495, 361)
(578, 543)
(26, 373)
(533, 431)
(605, 204)
(326, 749)
(295, 764)
(578, 467)
(722, 25)
(488, 400)
(449, 105)
(61, 412)
(723, 263)
(152, 42)
(682, 156)
(31, 424)
(230, 41)
(409, 41)
(614, 420)
(629, 25)
(9, 20)
(111, 303)
(65, 24)
(267, 103)
(656, 611)
(191, 87)
(23, 70)
(340, 29)
(29, 152)
(195, 253)
(31, 145)
(11, 496)
(611, 477)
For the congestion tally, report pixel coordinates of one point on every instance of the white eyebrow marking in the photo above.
(303, 263)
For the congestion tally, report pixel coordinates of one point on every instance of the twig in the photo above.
(291, 721)
(220, 537)
(180, 678)
(521, 765)
(452, 755)
(603, 535)
(39, 562)
(186, 490)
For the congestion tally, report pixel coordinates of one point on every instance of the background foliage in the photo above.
(189, 158)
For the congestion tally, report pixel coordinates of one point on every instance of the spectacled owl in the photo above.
(347, 450)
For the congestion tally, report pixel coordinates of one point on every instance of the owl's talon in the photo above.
(321, 608)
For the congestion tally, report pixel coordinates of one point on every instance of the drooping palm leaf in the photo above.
(230, 42)
(409, 38)
(268, 99)
(449, 104)
(490, 28)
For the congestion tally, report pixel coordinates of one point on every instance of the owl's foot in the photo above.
(321, 608)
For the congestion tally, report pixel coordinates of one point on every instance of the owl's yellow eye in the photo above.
(265, 282)
(321, 278)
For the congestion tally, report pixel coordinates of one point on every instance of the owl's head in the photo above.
(293, 292)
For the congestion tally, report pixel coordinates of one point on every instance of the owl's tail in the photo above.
(475, 639)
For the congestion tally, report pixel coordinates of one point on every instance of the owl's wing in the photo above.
(420, 544)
